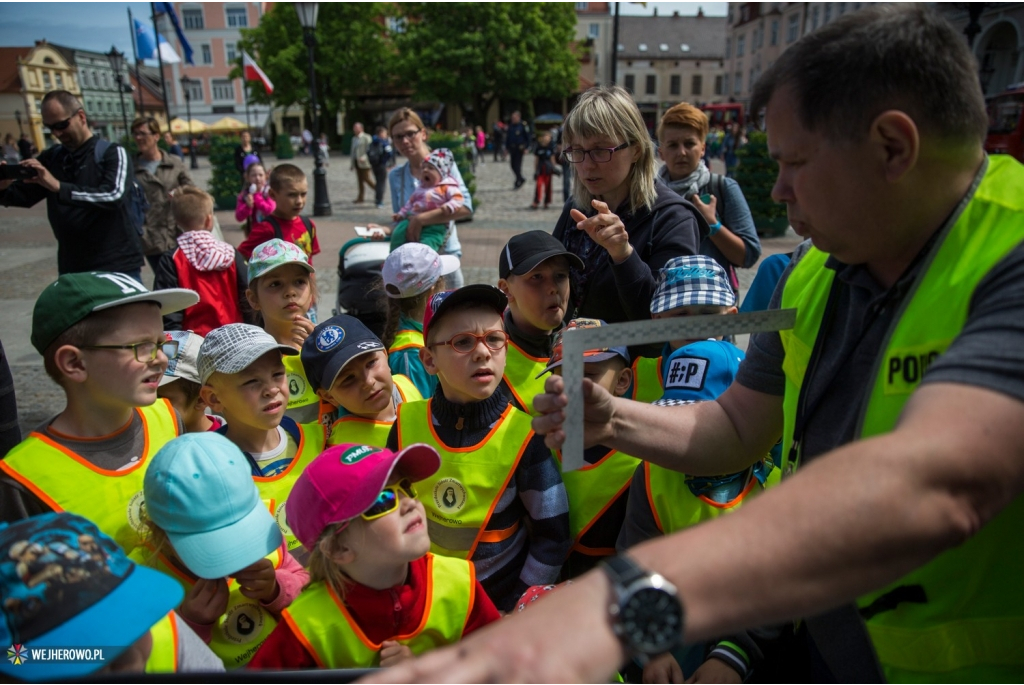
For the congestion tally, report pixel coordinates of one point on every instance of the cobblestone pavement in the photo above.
(28, 256)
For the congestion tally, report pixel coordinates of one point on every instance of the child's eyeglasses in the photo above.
(386, 502)
(144, 351)
(464, 343)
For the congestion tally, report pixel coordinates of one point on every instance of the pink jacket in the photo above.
(262, 206)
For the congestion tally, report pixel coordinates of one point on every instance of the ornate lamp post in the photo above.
(116, 62)
(186, 84)
(17, 117)
(307, 12)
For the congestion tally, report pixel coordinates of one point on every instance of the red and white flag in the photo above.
(254, 73)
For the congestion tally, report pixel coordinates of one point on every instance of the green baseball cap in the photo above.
(72, 297)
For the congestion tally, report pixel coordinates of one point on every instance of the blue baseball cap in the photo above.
(699, 372)
(66, 584)
(332, 345)
(199, 490)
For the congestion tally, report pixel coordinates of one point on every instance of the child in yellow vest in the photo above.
(102, 340)
(69, 586)
(244, 380)
(377, 595)
(598, 492)
(498, 499)
(347, 366)
(533, 272)
(181, 385)
(687, 286)
(411, 275)
(282, 288)
(210, 530)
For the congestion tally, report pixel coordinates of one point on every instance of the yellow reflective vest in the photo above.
(303, 402)
(521, 371)
(591, 490)
(359, 431)
(405, 339)
(163, 658)
(242, 628)
(65, 481)
(648, 383)
(461, 496)
(324, 626)
(970, 626)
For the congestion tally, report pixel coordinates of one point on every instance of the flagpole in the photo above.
(160, 59)
(135, 51)
(245, 94)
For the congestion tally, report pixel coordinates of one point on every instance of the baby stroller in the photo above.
(360, 292)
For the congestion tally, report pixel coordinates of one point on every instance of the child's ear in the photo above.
(208, 224)
(69, 361)
(253, 302)
(272, 194)
(428, 360)
(623, 382)
(503, 287)
(336, 550)
(325, 395)
(200, 404)
(208, 395)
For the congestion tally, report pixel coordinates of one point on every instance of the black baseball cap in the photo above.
(523, 252)
(332, 345)
(480, 293)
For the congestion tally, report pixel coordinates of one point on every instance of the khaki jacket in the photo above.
(160, 231)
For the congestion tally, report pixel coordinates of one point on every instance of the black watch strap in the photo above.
(623, 570)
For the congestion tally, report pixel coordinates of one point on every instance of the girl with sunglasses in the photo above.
(376, 596)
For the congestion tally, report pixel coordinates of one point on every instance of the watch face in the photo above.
(652, 621)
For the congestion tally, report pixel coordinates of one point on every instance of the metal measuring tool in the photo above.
(575, 342)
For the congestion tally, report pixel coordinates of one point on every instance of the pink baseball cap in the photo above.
(345, 480)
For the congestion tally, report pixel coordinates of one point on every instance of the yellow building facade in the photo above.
(42, 70)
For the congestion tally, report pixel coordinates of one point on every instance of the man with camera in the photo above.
(84, 191)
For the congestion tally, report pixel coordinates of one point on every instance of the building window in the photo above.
(59, 81)
(741, 45)
(697, 85)
(728, 48)
(675, 86)
(223, 89)
(684, 47)
(229, 52)
(652, 84)
(237, 17)
(195, 90)
(630, 82)
(207, 54)
(46, 81)
(737, 83)
(794, 28)
(594, 31)
(642, 47)
(582, 6)
(828, 13)
(856, 6)
(814, 18)
(621, 47)
(841, 8)
(775, 32)
(396, 24)
(193, 18)
(719, 85)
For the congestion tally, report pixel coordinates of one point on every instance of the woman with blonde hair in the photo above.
(622, 221)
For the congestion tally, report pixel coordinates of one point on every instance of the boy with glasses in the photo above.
(498, 498)
(84, 182)
(102, 340)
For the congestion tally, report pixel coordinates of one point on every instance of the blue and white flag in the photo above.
(168, 9)
(144, 41)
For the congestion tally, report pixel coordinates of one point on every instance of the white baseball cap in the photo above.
(414, 268)
(232, 348)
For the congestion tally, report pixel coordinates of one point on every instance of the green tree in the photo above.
(470, 53)
(353, 55)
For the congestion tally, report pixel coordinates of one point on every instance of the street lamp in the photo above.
(186, 84)
(307, 12)
(17, 117)
(116, 62)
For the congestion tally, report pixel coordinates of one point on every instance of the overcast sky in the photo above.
(98, 25)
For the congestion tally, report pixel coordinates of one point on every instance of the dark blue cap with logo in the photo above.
(332, 345)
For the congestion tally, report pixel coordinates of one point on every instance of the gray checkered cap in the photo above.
(693, 280)
(232, 348)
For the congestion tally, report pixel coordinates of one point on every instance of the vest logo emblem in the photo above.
(356, 454)
(282, 521)
(686, 372)
(449, 495)
(136, 508)
(329, 338)
(243, 623)
(296, 387)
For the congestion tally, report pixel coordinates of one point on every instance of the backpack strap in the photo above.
(718, 190)
(277, 227)
(309, 227)
(100, 149)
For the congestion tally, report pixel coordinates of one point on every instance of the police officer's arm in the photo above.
(851, 521)
(734, 431)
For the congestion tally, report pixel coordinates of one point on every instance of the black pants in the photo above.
(381, 174)
(516, 156)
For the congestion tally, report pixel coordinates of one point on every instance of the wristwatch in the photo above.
(646, 613)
